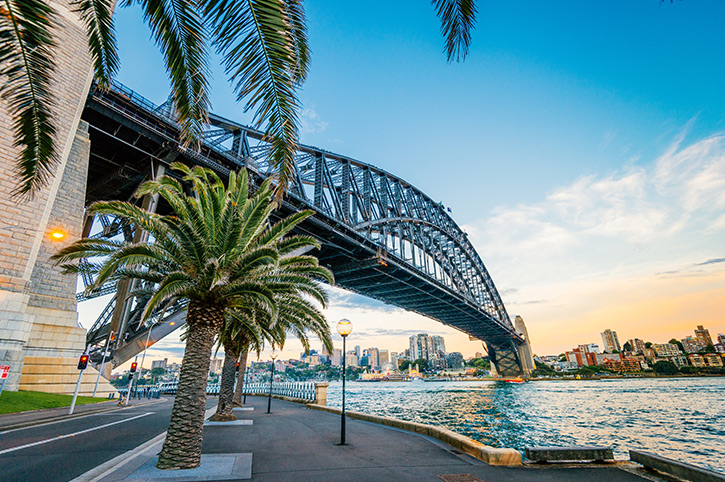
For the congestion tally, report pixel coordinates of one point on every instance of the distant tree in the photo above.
(627, 347)
(543, 370)
(665, 368)
(677, 342)
(615, 351)
(422, 364)
(648, 344)
(688, 370)
(710, 348)
(156, 372)
(562, 357)
(404, 364)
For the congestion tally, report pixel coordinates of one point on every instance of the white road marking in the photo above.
(110, 411)
(41, 442)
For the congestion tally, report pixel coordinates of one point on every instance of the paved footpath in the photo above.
(292, 443)
(296, 444)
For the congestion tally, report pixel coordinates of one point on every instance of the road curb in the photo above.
(490, 455)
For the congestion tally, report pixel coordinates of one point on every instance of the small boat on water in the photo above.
(514, 380)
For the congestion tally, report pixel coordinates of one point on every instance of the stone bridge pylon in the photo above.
(39, 333)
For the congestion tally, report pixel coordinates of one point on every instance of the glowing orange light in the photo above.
(172, 323)
(57, 234)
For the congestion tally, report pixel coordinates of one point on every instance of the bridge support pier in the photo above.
(39, 334)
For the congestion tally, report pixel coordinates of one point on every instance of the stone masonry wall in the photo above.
(31, 289)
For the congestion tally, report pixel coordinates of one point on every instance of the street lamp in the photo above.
(344, 328)
(271, 379)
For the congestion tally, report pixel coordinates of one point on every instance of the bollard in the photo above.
(321, 393)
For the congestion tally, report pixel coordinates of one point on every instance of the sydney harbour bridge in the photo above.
(380, 236)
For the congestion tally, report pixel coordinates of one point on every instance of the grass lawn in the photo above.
(22, 401)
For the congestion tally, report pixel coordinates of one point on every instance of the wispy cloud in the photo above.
(711, 261)
(310, 122)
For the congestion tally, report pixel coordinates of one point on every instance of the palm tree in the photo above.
(295, 314)
(262, 45)
(214, 250)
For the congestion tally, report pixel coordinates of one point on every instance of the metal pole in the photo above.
(78, 385)
(103, 361)
(271, 378)
(342, 414)
(130, 382)
(75, 394)
(140, 370)
(244, 386)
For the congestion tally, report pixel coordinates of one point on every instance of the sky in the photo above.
(581, 145)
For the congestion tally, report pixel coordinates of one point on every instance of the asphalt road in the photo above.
(59, 452)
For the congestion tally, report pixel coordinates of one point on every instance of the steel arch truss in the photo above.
(367, 218)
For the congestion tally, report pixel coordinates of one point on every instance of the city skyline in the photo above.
(588, 174)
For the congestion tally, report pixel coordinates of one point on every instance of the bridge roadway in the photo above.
(290, 444)
(380, 236)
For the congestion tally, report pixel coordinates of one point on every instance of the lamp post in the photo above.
(344, 328)
(271, 379)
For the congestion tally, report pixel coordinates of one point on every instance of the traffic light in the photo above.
(83, 362)
(133, 366)
(237, 366)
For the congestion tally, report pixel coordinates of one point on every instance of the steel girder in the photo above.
(393, 221)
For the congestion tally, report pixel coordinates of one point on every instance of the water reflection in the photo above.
(679, 418)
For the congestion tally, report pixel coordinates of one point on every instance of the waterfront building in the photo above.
(696, 360)
(159, 363)
(610, 341)
(703, 335)
(721, 338)
(719, 347)
(680, 360)
(692, 344)
(665, 350)
(713, 360)
(455, 360)
(632, 364)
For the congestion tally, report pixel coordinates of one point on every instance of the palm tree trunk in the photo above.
(240, 377)
(224, 410)
(182, 446)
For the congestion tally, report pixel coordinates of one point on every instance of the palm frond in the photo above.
(179, 31)
(97, 16)
(264, 50)
(458, 18)
(26, 67)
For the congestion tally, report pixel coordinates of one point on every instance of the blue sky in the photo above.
(579, 145)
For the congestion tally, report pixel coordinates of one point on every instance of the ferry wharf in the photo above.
(294, 443)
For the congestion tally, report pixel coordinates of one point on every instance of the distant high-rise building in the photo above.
(439, 345)
(216, 365)
(610, 341)
(159, 363)
(358, 351)
(384, 357)
(374, 356)
(351, 359)
(721, 338)
(637, 345)
(692, 345)
(665, 350)
(336, 357)
(703, 335)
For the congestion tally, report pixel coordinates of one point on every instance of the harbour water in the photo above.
(679, 418)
